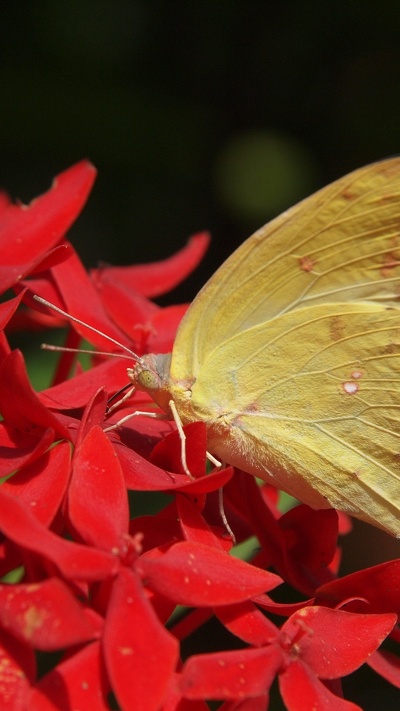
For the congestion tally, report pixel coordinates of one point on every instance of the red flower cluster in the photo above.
(91, 587)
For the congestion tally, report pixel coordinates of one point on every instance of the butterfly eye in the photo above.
(148, 380)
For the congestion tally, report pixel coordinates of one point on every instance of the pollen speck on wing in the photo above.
(350, 388)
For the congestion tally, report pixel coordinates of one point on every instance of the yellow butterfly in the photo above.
(291, 352)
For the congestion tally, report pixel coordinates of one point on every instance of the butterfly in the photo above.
(291, 351)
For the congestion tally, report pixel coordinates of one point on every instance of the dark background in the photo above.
(200, 115)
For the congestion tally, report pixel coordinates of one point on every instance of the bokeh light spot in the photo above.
(260, 173)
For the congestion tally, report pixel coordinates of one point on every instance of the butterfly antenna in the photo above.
(86, 325)
(88, 351)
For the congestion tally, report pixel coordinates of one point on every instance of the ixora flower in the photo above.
(113, 562)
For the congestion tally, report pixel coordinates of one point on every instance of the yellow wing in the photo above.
(341, 244)
(310, 401)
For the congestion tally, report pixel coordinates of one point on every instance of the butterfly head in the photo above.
(151, 375)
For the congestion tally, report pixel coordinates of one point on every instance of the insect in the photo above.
(291, 351)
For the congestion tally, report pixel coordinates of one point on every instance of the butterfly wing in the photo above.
(310, 401)
(340, 244)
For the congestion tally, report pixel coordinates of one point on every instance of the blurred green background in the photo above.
(199, 115)
(214, 115)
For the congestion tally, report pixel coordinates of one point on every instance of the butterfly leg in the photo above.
(122, 399)
(223, 515)
(213, 460)
(210, 457)
(154, 415)
(221, 507)
(182, 437)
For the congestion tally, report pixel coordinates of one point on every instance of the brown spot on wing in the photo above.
(336, 328)
(387, 197)
(306, 263)
(349, 194)
(390, 348)
(389, 168)
(391, 261)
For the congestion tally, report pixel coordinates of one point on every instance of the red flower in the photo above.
(87, 571)
(315, 643)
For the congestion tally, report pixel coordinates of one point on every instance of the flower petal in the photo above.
(75, 561)
(196, 574)
(19, 403)
(45, 615)
(28, 232)
(82, 301)
(193, 524)
(157, 277)
(230, 675)
(387, 665)
(167, 454)
(247, 622)
(76, 683)
(377, 587)
(302, 691)
(76, 392)
(8, 308)
(17, 664)
(41, 485)
(97, 498)
(334, 643)
(140, 654)
(19, 449)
